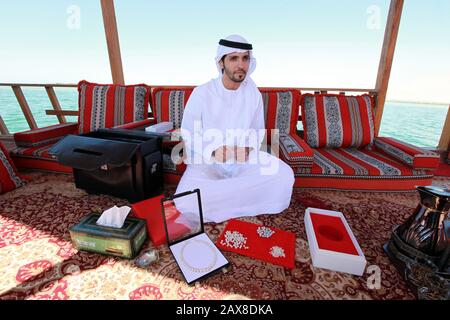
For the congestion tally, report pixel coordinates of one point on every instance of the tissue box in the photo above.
(122, 242)
(331, 242)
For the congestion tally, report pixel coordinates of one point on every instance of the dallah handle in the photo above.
(444, 261)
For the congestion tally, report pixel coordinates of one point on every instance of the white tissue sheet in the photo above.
(114, 217)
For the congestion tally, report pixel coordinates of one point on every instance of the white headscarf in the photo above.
(224, 50)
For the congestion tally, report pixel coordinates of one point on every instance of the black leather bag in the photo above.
(123, 163)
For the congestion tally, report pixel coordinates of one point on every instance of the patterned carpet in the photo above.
(38, 260)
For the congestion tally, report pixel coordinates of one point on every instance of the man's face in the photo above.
(235, 66)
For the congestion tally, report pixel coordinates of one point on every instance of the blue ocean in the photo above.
(417, 123)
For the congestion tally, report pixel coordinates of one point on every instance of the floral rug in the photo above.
(38, 260)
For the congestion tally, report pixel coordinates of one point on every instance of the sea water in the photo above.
(417, 123)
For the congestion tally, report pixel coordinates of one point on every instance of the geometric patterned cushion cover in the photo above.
(39, 152)
(281, 108)
(168, 104)
(353, 162)
(10, 179)
(413, 156)
(295, 152)
(106, 106)
(44, 136)
(337, 121)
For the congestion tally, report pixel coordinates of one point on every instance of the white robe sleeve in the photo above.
(198, 150)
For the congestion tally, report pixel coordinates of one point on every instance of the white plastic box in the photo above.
(333, 236)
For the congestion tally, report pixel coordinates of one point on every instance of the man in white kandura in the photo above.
(222, 129)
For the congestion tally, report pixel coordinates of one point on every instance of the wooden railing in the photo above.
(23, 103)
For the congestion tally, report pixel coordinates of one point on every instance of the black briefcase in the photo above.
(123, 163)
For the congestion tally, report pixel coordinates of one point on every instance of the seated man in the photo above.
(222, 129)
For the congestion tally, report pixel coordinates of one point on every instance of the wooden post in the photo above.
(387, 55)
(55, 103)
(444, 142)
(112, 40)
(24, 106)
(3, 128)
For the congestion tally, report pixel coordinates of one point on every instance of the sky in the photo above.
(299, 43)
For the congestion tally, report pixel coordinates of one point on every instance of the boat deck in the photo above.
(39, 261)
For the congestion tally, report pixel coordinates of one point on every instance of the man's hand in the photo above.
(224, 153)
(242, 153)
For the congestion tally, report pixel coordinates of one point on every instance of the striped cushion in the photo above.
(44, 136)
(354, 162)
(9, 177)
(39, 152)
(337, 121)
(281, 107)
(295, 151)
(106, 106)
(413, 156)
(168, 104)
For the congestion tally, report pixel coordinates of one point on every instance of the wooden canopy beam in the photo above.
(112, 40)
(387, 56)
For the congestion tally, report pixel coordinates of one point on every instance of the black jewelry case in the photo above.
(196, 255)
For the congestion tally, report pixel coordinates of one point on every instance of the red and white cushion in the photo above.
(337, 121)
(413, 156)
(295, 152)
(39, 152)
(44, 136)
(281, 108)
(10, 179)
(107, 106)
(168, 104)
(353, 162)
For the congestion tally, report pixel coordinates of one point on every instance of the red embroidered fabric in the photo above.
(110, 105)
(10, 179)
(244, 238)
(337, 121)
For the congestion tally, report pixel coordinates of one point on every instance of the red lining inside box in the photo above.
(331, 234)
(150, 210)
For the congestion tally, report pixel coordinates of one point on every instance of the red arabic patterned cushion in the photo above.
(9, 177)
(337, 121)
(106, 106)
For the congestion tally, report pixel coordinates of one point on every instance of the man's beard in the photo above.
(236, 77)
